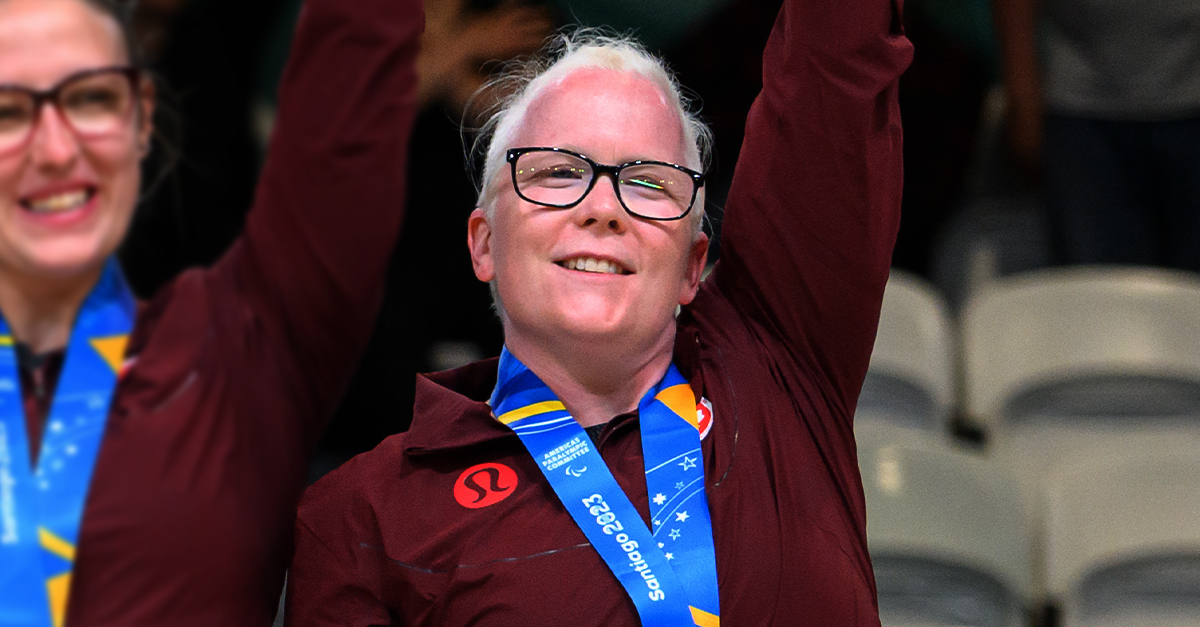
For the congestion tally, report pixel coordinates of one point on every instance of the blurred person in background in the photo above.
(1104, 104)
(151, 455)
(619, 465)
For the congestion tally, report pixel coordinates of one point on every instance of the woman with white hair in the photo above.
(620, 465)
(152, 455)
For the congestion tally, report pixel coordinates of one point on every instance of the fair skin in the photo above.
(49, 261)
(598, 340)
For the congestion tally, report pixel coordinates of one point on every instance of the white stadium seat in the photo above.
(1123, 540)
(911, 377)
(946, 533)
(1101, 341)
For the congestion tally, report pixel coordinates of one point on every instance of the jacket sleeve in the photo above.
(814, 207)
(309, 269)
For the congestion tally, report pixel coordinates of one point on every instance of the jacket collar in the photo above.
(451, 409)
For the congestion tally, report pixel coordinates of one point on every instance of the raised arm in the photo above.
(310, 267)
(815, 203)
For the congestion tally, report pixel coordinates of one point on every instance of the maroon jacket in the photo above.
(778, 339)
(238, 368)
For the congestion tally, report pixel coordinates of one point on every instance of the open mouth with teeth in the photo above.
(589, 264)
(59, 203)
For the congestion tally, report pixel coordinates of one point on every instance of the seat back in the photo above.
(1091, 341)
(1123, 538)
(946, 533)
(910, 379)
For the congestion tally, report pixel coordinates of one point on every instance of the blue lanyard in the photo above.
(670, 571)
(41, 509)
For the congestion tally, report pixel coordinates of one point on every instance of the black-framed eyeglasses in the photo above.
(94, 102)
(555, 177)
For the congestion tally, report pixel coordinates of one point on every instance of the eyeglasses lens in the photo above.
(16, 117)
(560, 179)
(97, 104)
(94, 105)
(656, 191)
(553, 178)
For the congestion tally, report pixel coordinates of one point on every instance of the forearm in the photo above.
(1017, 30)
(1016, 27)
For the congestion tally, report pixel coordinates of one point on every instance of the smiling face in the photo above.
(592, 272)
(65, 201)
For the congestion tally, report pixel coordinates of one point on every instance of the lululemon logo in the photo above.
(483, 485)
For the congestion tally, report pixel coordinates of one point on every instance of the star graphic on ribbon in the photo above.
(674, 534)
(659, 499)
(687, 463)
(670, 556)
(681, 517)
(679, 485)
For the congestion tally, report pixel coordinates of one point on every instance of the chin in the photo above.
(66, 260)
(614, 329)
(607, 334)
(592, 315)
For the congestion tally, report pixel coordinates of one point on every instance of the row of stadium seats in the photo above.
(1086, 497)
(1108, 341)
(953, 544)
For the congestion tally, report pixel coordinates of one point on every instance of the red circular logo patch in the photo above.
(485, 484)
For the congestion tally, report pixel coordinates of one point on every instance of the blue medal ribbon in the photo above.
(41, 509)
(670, 571)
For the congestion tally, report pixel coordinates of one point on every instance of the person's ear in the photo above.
(147, 97)
(697, 258)
(479, 240)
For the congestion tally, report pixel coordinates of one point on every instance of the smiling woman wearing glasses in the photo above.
(619, 464)
(151, 454)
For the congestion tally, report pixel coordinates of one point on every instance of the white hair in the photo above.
(565, 53)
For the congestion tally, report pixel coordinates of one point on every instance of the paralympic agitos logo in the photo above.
(484, 484)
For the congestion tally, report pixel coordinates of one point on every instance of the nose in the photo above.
(602, 208)
(54, 145)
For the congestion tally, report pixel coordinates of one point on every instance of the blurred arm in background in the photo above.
(1016, 25)
(460, 42)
